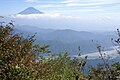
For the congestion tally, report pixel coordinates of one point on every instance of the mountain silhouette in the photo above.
(31, 10)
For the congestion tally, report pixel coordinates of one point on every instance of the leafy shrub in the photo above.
(19, 60)
(17, 54)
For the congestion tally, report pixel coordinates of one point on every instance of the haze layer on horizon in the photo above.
(66, 14)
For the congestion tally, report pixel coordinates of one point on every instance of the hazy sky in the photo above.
(93, 12)
(69, 7)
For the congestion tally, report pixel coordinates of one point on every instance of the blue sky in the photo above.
(66, 7)
(66, 14)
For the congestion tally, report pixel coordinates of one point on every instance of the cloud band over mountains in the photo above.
(40, 16)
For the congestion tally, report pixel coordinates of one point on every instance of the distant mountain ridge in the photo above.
(67, 40)
(30, 10)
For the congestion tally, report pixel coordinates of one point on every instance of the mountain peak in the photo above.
(31, 10)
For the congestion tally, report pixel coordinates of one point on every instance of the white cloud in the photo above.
(31, 0)
(48, 6)
(44, 6)
(89, 2)
(78, 11)
(72, 1)
(108, 18)
(73, 4)
(40, 16)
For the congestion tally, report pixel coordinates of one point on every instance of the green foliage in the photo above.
(17, 54)
(106, 71)
(19, 60)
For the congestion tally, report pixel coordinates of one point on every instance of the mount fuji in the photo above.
(30, 10)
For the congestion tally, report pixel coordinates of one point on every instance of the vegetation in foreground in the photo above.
(18, 61)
